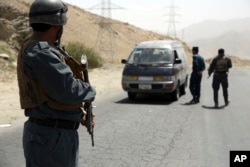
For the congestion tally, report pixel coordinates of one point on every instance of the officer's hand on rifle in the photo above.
(84, 119)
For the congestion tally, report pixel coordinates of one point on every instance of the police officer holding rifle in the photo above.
(52, 94)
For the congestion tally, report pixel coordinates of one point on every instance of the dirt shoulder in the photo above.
(105, 80)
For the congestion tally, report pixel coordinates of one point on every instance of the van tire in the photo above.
(131, 96)
(176, 93)
(182, 90)
(183, 87)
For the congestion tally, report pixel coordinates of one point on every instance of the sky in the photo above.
(155, 14)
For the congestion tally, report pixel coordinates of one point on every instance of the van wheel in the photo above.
(183, 87)
(182, 90)
(176, 93)
(131, 96)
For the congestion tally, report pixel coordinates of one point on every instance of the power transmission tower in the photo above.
(105, 37)
(171, 26)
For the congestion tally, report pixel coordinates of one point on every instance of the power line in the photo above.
(105, 37)
(172, 15)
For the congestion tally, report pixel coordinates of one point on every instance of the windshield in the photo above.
(150, 56)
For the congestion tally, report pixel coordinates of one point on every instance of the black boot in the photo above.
(192, 101)
(226, 101)
(196, 100)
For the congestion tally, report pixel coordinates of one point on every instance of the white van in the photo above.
(158, 66)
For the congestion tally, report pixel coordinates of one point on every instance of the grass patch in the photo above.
(77, 49)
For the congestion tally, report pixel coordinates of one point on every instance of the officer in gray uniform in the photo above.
(220, 67)
(52, 98)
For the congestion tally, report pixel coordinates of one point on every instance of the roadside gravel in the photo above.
(105, 80)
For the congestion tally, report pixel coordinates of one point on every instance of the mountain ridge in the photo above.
(82, 26)
(210, 35)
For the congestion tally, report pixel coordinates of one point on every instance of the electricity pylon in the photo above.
(105, 38)
(171, 26)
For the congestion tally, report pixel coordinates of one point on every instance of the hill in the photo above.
(82, 26)
(215, 28)
(235, 43)
(233, 35)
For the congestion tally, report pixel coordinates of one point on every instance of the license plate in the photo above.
(145, 86)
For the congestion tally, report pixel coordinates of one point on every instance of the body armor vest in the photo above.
(221, 65)
(31, 93)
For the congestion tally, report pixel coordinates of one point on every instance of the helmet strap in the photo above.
(59, 36)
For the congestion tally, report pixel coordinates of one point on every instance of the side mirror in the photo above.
(123, 61)
(177, 61)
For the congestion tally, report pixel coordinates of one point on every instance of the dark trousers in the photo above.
(195, 85)
(50, 147)
(220, 79)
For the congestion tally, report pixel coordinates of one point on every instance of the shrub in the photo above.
(77, 49)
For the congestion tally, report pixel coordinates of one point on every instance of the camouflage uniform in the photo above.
(220, 67)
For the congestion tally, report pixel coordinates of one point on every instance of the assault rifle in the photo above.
(80, 71)
(88, 105)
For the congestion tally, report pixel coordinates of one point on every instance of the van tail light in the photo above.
(124, 85)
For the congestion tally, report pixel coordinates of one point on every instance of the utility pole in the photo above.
(171, 26)
(105, 37)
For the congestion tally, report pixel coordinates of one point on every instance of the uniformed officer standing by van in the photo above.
(220, 67)
(196, 75)
(51, 97)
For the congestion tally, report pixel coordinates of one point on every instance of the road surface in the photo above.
(154, 132)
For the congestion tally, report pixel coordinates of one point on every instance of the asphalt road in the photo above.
(153, 132)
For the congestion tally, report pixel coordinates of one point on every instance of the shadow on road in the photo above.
(212, 107)
(147, 99)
